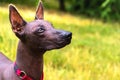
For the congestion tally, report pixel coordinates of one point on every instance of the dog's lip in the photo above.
(70, 37)
(64, 41)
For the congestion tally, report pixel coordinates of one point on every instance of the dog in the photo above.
(35, 38)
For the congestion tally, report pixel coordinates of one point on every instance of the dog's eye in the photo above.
(41, 30)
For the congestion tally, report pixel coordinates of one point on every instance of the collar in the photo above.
(22, 74)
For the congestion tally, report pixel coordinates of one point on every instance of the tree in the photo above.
(62, 5)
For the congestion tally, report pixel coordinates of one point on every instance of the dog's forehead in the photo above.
(40, 22)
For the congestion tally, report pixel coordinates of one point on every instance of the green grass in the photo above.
(94, 53)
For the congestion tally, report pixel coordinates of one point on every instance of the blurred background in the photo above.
(105, 9)
(94, 53)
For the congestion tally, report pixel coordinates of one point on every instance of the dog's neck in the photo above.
(30, 61)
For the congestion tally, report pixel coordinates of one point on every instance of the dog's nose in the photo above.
(67, 35)
(64, 34)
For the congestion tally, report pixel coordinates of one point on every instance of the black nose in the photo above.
(64, 34)
(67, 35)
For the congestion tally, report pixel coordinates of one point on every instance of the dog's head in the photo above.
(38, 34)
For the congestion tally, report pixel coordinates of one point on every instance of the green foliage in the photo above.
(105, 9)
(110, 7)
(51, 4)
(22, 2)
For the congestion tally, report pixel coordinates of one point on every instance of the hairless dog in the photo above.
(35, 38)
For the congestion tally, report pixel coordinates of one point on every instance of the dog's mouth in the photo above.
(62, 43)
(65, 41)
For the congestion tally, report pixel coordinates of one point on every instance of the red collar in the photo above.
(22, 75)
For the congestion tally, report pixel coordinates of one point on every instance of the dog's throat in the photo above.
(23, 75)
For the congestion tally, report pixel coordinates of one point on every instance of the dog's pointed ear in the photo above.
(39, 11)
(16, 21)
